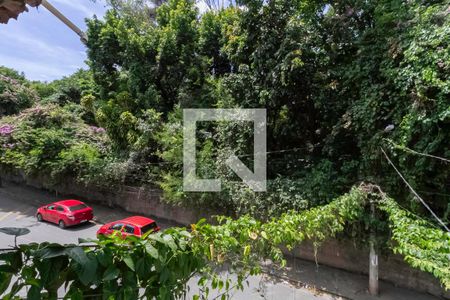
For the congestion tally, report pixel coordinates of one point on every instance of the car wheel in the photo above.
(62, 225)
(39, 217)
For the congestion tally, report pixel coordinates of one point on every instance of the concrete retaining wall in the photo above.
(341, 254)
(346, 255)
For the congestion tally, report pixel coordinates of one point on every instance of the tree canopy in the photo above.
(332, 76)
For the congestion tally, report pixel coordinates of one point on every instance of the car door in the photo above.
(49, 213)
(114, 227)
(59, 214)
(128, 229)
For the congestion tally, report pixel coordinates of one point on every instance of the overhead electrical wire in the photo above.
(414, 192)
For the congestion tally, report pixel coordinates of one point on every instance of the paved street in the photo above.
(18, 205)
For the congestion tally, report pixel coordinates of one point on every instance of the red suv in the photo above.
(65, 213)
(137, 226)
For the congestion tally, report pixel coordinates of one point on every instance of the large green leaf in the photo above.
(14, 231)
(78, 255)
(111, 273)
(34, 293)
(87, 269)
(5, 280)
(13, 261)
(152, 251)
(129, 262)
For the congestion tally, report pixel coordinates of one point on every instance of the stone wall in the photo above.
(341, 254)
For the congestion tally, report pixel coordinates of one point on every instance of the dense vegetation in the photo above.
(15, 95)
(340, 80)
(332, 77)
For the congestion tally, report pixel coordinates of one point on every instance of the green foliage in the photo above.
(331, 81)
(338, 79)
(41, 141)
(390, 71)
(190, 61)
(69, 89)
(43, 89)
(77, 158)
(422, 246)
(15, 95)
(332, 77)
(13, 74)
(111, 268)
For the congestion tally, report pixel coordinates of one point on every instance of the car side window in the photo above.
(51, 207)
(60, 208)
(152, 226)
(129, 229)
(117, 226)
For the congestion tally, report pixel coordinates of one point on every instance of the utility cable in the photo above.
(414, 192)
(406, 149)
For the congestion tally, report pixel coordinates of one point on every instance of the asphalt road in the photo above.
(18, 206)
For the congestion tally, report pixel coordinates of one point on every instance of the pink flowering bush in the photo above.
(96, 129)
(15, 96)
(6, 130)
(54, 140)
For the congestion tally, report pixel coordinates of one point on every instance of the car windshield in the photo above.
(147, 228)
(77, 207)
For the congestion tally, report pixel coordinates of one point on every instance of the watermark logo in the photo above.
(255, 180)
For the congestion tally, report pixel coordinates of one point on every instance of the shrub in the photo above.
(14, 96)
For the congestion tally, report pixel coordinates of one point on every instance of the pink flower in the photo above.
(6, 130)
(96, 129)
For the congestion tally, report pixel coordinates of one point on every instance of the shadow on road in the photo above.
(73, 228)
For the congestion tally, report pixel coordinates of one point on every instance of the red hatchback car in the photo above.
(65, 213)
(137, 226)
